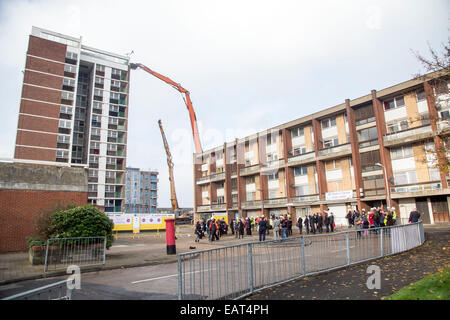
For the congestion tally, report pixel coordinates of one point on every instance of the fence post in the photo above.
(250, 266)
(180, 287)
(347, 238)
(104, 251)
(381, 242)
(46, 255)
(303, 256)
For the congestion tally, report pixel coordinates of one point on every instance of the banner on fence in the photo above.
(139, 222)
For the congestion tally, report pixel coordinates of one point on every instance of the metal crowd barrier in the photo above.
(54, 291)
(82, 251)
(237, 271)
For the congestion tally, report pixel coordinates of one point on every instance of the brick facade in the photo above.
(19, 208)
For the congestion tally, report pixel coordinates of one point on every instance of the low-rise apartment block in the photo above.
(375, 150)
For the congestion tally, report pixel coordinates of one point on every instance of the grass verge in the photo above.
(433, 287)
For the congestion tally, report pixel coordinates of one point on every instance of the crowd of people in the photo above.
(313, 223)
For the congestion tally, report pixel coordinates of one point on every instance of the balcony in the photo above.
(273, 165)
(305, 198)
(418, 189)
(249, 170)
(275, 202)
(203, 208)
(254, 204)
(302, 159)
(218, 206)
(335, 152)
(218, 176)
(203, 180)
(408, 136)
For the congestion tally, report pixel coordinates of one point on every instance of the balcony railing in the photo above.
(301, 157)
(406, 133)
(202, 180)
(277, 201)
(272, 164)
(218, 206)
(429, 186)
(218, 176)
(336, 149)
(251, 169)
(314, 197)
(251, 204)
(203, 208)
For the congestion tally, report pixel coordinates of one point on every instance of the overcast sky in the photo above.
(249, 65)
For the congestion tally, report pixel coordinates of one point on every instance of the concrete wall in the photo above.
(27, 190)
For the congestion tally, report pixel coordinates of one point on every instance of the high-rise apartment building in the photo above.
(141, 191)
(379, 149)
(73, 112)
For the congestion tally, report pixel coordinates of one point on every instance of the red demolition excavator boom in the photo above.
(186, 98)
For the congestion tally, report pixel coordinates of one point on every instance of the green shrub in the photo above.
(86, 221)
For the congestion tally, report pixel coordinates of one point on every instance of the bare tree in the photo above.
(437, 72)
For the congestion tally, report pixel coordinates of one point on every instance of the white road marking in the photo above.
(169, 276)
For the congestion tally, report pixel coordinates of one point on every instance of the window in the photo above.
(100, 68)
(402, 152)
(115, 83)
(113, 108)
(394, 103)
(95, 132)
(406, 177)
(93, 159)
(93, 173)
(445, 114)
(272, 157)
(71, 55)
(300, 171)
(67, 95)
(420, 95)
(300, 150)
(250, 180)
(328, 123)
(63, 139)
(250, 196)
(62, 154)
(301, 190)
(367, 134)
(272, 194)
(397, 126)
(330, 143)
(69, 82)
(297, 132)
(65, 109)
(69, 68)
(112, 147)
(272, 176)
(112, 134)
(113, 121)
(64, 124)
(98, 93)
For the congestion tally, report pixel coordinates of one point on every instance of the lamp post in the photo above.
(387, 184)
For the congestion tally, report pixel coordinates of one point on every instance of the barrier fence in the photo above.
(55, 291)
(82, 251)
(237, 271)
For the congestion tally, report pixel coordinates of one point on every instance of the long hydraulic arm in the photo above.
(173, 195)
(186, 98)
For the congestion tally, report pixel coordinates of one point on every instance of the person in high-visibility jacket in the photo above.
(394, 216)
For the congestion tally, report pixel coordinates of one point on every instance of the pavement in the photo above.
(349, 283)
(149, 248)
(128, 251)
